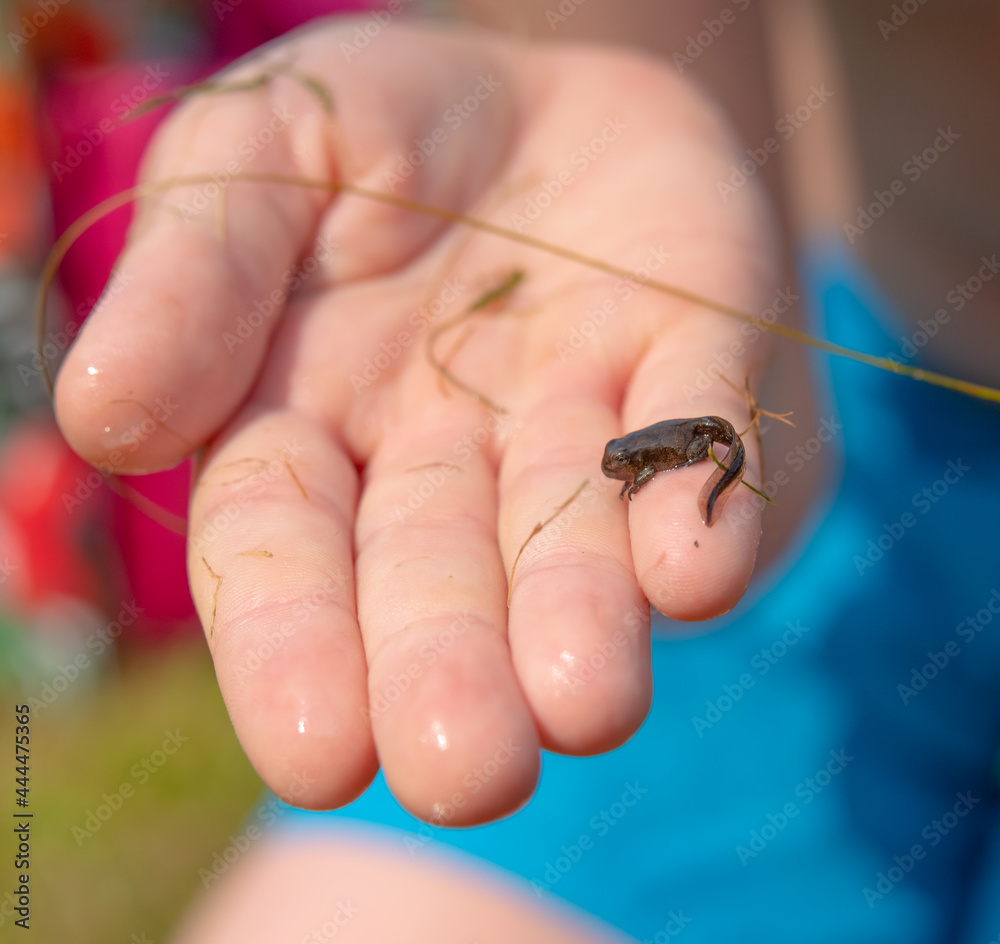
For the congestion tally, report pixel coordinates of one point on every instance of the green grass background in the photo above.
(138, 872)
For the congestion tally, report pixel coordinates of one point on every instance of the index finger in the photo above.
(200, 288)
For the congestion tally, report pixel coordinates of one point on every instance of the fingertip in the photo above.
(308, 740)
(457, 743)
(582, 658)
(113, 431)
(688, 570)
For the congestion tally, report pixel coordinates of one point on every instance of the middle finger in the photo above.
(454, 735)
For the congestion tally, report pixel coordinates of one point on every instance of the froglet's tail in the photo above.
(726, 477)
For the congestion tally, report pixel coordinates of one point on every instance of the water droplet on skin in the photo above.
(565, 668)
(301, 727)
(439, 735)
(93, 370)
(568, 659)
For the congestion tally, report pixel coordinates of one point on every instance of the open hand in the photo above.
(356, 517)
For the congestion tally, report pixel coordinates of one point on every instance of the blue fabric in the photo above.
(785, 787)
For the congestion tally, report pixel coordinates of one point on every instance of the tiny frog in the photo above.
(637, 457)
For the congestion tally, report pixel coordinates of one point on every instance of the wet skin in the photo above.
(372, 593)
(638, 456)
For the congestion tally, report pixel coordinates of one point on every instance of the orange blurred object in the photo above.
(61, 37)
(22, 183)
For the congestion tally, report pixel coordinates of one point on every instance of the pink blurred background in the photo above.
(65, 537)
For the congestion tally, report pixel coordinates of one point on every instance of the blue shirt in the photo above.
(823, 767)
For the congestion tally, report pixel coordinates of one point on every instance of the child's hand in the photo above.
(356, 518)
